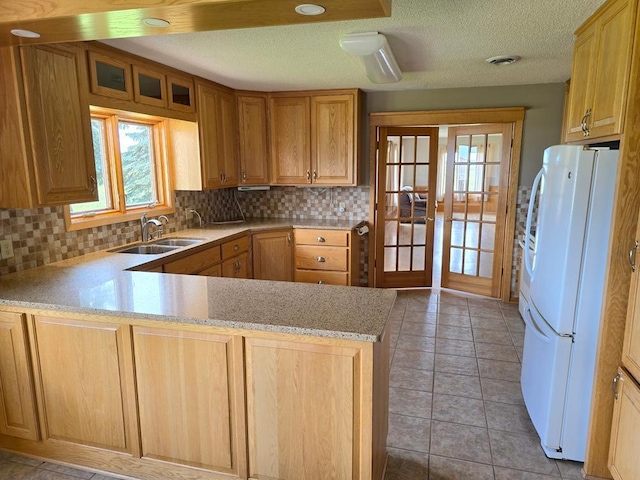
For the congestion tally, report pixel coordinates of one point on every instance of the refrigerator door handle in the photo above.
(527, 231)
(531, 323)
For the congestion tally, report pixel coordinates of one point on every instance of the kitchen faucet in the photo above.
(144, 227)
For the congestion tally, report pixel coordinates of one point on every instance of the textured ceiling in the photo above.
(438, 44)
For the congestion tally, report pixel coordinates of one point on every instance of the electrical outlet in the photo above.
(6, 249)
(342, 207)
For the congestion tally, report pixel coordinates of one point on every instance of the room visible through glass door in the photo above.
(405, 208)
(477, 177)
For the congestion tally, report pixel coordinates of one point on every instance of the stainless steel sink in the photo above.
(178, 242)
(146, 249)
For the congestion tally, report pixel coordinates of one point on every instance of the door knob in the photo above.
(431, 219)
(448, 219)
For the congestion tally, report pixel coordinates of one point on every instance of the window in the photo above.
(131, 170)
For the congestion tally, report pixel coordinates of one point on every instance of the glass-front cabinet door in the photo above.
(149, 86)
(110, 77)
(180, 92)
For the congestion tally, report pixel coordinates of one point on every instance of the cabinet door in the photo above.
(581, 88)
(110, 77)
(333, 140)
(180, 95)
(290, 136)
(149, 87)
(273, 255)
(191, 398)
(85, 374)
(254, 149)
(17, 401)
(237, 267)
(285, 382)
(57, 87)
(613, 62)
(631, 346)
(228, 132)
(624, 462)
(209, 127)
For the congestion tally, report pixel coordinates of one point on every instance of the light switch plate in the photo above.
(6, 249)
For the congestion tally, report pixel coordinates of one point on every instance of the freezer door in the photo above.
(544, 377)
(562, 217)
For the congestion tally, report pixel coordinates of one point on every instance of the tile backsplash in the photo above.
(39, 235)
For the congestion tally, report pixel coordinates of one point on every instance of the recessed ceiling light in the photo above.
(155, 22)
(310, 9)
(24, 33)
(503, 60)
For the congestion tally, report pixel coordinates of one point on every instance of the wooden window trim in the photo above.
(163, 179)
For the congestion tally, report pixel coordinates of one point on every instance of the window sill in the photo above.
(81, 223)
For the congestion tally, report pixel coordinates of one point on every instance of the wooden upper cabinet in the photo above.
(228, 131)
(110, 76)
(602, 62)
(149, 86)
(45, 134)
(253, 136)
(314, 138)
(290, 142)
(180, 94)
(333, 140)
(217, 124)
(17, 396)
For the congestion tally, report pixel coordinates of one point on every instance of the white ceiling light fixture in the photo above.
(310, 9)
(24, 33)
(376, 55)
(156, 22)
(503, 60)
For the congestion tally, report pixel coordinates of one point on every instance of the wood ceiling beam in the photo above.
(73, 20)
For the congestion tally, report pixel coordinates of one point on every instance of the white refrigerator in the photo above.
(567, 270)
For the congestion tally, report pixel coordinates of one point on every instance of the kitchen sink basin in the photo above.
(147, 249)
(177, 242)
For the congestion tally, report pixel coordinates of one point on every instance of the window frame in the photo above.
(163, 179)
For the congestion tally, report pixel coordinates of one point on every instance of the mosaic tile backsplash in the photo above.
(39, 235)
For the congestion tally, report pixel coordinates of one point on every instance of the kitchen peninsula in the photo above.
(180, 376)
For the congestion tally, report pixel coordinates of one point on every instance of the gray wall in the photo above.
(542, 123)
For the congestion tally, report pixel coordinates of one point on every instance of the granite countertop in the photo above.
(99, 283)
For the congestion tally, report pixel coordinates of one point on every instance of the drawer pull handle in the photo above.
(632, 256)
(614, 385)
(322, 259)
(321, 239)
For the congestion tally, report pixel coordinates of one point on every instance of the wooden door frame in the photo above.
(514, 115)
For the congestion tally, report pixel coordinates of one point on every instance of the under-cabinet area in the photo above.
(247, 380)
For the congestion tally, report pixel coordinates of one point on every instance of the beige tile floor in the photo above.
(455, 407)
(456, 411)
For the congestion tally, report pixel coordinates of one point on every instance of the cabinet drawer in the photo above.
(337, 238)
(318, 276)
(234, 247)
(321, 258)
(195, 262)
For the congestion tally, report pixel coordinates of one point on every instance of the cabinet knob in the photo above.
(244, 176)
(321, 239)
(236, 248)
(585, 124)
(321, 259)
(632, 256)
(320, 282)
(94, 185)
(315, 175)
(614, 385)
(288, 239)
(308, 175)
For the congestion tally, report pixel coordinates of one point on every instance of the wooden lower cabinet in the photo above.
(237, 267)
(327, 256)
(309, 409)
(83, 372)
(624, 462)
(158, 400)
(273, 255)
(191, 398)
(17, 397)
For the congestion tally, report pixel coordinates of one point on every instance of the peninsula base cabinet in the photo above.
(157, 399)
